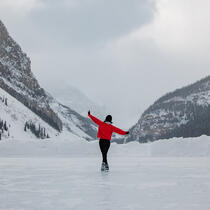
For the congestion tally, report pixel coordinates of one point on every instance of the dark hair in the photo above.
(108, 119)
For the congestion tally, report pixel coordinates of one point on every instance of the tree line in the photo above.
(38, 131)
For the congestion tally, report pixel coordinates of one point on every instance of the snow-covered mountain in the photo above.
(182, 113)
(77, 100)
(17, 79)
(17, 116)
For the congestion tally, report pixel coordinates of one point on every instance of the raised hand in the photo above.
(89, 112)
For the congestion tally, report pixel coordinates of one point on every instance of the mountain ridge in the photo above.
(180, 113)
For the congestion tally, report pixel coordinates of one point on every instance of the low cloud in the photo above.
(19, 8)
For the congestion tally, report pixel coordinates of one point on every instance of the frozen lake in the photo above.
(133, 183)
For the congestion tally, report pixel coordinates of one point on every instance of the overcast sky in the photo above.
(124, 54)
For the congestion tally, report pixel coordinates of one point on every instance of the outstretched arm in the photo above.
(94, 119)
(119, 131)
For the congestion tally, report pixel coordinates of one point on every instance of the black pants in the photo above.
(104, 146)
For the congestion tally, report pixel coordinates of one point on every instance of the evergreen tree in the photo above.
(25, 127)
(6, 101)
(5, 126)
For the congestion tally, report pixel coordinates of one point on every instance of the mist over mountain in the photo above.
(182, 113)
(77, 100)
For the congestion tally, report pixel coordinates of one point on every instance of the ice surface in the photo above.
(65, 174)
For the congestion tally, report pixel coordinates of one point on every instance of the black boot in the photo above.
(103, 166)
(106, 167)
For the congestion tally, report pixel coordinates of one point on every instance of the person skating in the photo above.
(105, 131)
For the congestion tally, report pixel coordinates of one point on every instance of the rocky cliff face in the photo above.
(182, 113)
(17, 79)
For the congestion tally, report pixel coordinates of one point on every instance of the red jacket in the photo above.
(105, 130)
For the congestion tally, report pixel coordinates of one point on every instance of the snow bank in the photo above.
(181, 147)
(71, 145)
(175, 147)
